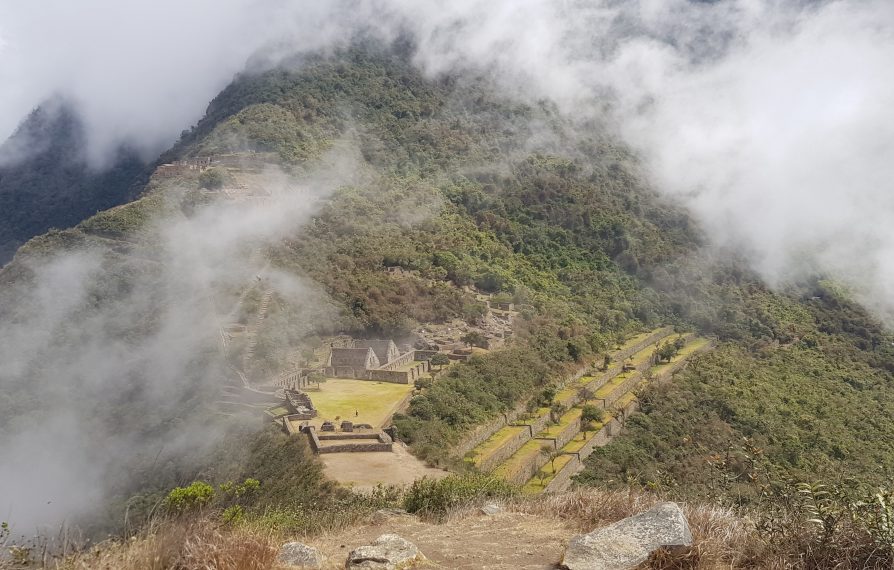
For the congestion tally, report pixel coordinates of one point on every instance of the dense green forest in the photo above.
(461, 187)
(46, 183)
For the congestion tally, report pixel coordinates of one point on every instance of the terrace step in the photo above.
(484, 441)
(509, 439)
(618, 394)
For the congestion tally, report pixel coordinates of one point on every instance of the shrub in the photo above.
(436, 497)
(213, 178)
(185, 499)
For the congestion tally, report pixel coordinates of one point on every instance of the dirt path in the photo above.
(502, 542)
(363, 471)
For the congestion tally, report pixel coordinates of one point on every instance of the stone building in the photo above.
(386, 351)
(376, 360)
(352, 362)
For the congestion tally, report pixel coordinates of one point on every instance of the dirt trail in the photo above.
(501, 542)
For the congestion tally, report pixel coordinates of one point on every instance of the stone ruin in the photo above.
(300, 405)
(376, 360)
(179, 167)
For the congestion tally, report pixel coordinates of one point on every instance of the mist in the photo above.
(113, 365)
(771, 121)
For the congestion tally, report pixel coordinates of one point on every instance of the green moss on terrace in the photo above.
(523, 455)
(567, 419)
(484, 451)
(634, 340)
(534, 485)
(578, 443)
(612, 385)
(625, 400)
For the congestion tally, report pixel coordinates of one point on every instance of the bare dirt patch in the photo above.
(478, 542)
(363, 471)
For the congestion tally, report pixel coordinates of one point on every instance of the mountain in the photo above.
(351, 195)
(45, 181)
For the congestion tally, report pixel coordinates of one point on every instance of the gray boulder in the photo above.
(297, 555)
(491, 509)
(629, 542)
(388, 552)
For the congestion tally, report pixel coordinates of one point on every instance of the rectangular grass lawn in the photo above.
(375, 401)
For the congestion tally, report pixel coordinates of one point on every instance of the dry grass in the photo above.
(195, 545)
(722, 538)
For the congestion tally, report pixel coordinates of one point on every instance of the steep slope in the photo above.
(345, 167)
(45, 182)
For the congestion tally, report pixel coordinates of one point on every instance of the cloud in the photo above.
(771, 120)
(112, 365)
(140, 72)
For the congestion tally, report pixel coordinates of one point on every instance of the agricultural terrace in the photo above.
(685, 352)
(376, 402)
(484, 451)
(537, 484)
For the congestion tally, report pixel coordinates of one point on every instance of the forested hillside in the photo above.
(46, 183)
(461, 188)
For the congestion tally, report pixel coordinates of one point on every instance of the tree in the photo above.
(550, 453)
(584, 394)
(316, 377)
(213, 178)
(546, 397)
(667, 351)
(546, 452)
(606, 361)
(555, 411)
(474, 338)
(440, 360)
(589, 416)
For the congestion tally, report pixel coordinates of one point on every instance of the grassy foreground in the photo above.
(803, 533)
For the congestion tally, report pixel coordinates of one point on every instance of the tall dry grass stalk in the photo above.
(199, 544)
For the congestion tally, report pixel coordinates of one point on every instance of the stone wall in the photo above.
(567, 434)
(357, 447)
(485, 431)
(621, 389)
(562, 480)
(354, 442)
(424, 354)
(506, 450)
(330, 436)
(598, 382)
(401, 360)
(659, 335)
(390, 376)
(528, 469)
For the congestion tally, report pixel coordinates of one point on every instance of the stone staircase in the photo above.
(252, 333)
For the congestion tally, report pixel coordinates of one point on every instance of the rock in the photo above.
(297, 555)
(388, 552)
(629, 542)
(491, 509)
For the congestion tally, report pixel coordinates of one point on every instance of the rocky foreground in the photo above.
(496, 537)
(586, 529)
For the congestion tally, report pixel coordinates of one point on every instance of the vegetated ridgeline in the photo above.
(797, 389)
